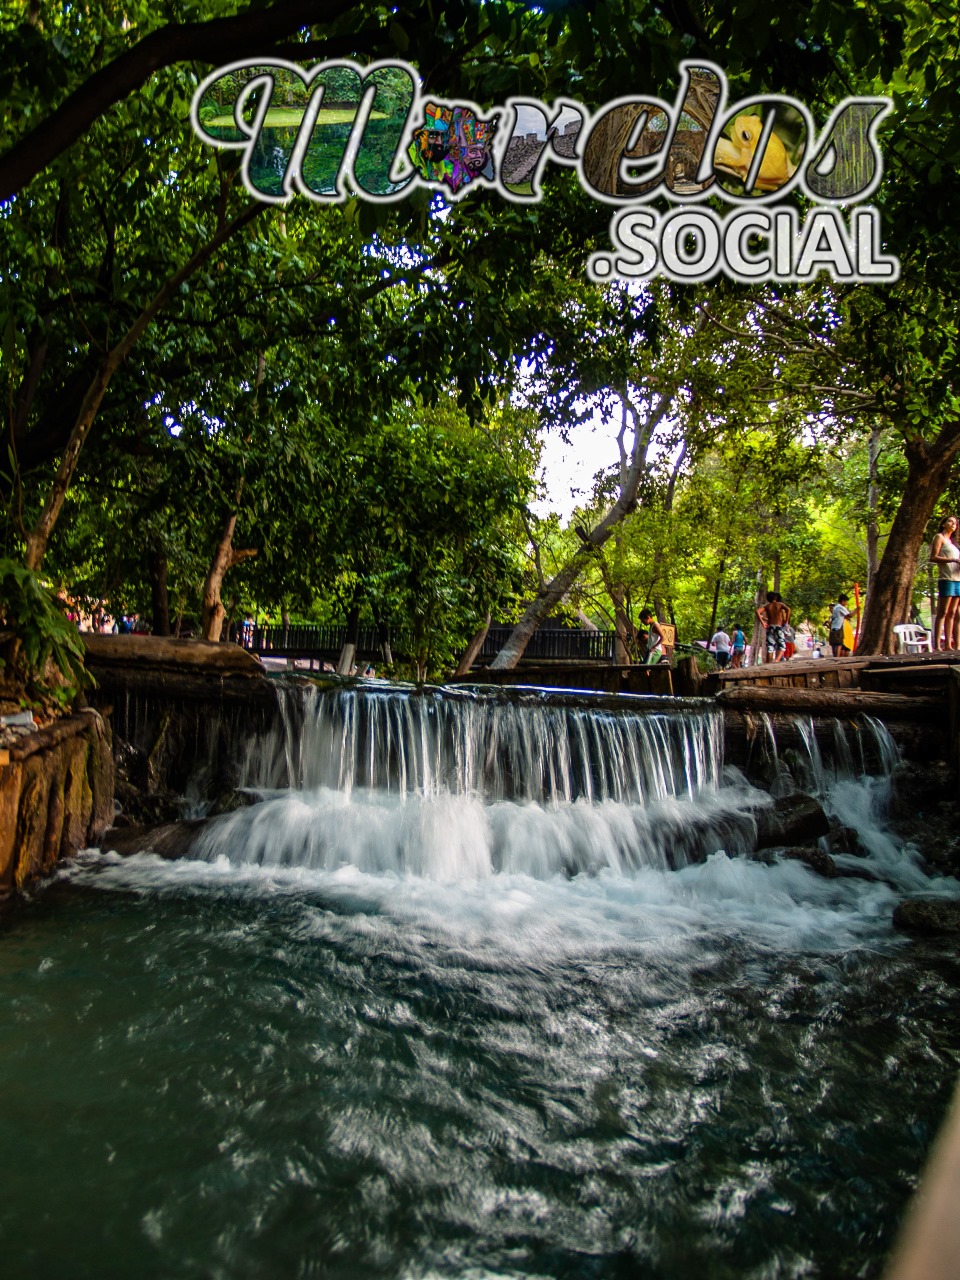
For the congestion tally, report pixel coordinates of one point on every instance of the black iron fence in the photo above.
(304, 641)
(560, 644)
(556, 644)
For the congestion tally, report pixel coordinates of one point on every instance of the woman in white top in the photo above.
(945, 554)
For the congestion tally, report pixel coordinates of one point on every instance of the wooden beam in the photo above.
(832, 702)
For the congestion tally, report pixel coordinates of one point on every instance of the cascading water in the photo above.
(478, 988)
(451, 786)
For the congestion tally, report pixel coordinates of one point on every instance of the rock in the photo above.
(168, 840)
(935, 831)
(846, 840)
(815, 859)
(861, 873)
(231, 801)
(791, 820)
(928, 916)
(165, 651)
(915, 788)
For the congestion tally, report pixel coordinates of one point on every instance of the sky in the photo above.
(567, 470)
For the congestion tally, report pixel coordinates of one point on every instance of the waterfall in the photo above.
(454, 783)
(440, 742)
(461, 784)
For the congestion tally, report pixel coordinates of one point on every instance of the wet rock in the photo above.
(168, 839)
(815, 859)
(768, 857)
(791, 820)
(935, 831)
(231, 801)
(928, 916)
(916, 788)
(846, 840)
(147, 810)
(862, 873)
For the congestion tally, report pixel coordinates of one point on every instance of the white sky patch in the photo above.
(567, 470)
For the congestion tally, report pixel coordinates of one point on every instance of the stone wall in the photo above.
(56, 797)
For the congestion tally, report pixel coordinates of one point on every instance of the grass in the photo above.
(279, 117)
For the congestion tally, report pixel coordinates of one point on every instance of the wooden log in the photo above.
(830, 702)
(165, 651)
(796, 667)
(53, 735)
(930, 678)
(114, 681)
(687, 679)
(746, 734)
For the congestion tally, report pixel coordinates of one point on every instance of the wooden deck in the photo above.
(909, 673)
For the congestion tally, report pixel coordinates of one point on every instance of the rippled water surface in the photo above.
(460, 998)
(208, 1071)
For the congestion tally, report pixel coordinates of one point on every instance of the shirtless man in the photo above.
(774, 615)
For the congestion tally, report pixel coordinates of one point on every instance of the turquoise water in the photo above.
(476, 990)
(212, 1071)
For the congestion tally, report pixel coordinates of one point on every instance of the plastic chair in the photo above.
(913, 639)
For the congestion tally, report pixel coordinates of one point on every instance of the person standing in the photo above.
(839, 613)
(720, 644)
(651, 638)
(945, 554)
(739, 641)
(773, 616)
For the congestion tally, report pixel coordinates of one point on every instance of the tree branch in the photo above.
(221, 40)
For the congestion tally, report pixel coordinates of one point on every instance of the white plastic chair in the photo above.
(913, 639)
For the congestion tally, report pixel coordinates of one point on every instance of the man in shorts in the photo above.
(774, 616)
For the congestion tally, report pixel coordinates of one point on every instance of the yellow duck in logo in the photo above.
(736, 155)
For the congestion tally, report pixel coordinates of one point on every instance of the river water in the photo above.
(469, 1004)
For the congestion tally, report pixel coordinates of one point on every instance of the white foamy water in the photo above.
(536, 829)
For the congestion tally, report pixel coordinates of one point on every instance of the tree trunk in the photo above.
(540, 607)
(758, 642)
(224, 558)
(623, 630)
(348, 654)
(38, 537)
(716, 598)
(928, 472)
(473, 648)
(632, 472)
(873, 530)
(160, 613)
(383, 642)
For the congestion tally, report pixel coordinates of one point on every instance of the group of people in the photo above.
(728, 650)
(779, 640)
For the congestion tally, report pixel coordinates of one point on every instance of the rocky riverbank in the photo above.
(56, 796)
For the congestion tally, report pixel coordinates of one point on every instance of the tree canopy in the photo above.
(353, 391)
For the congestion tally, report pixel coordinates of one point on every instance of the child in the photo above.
(838, 616)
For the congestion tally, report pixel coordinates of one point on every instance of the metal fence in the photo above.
(559, 644)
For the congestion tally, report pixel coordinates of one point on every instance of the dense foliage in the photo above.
(353, 393)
